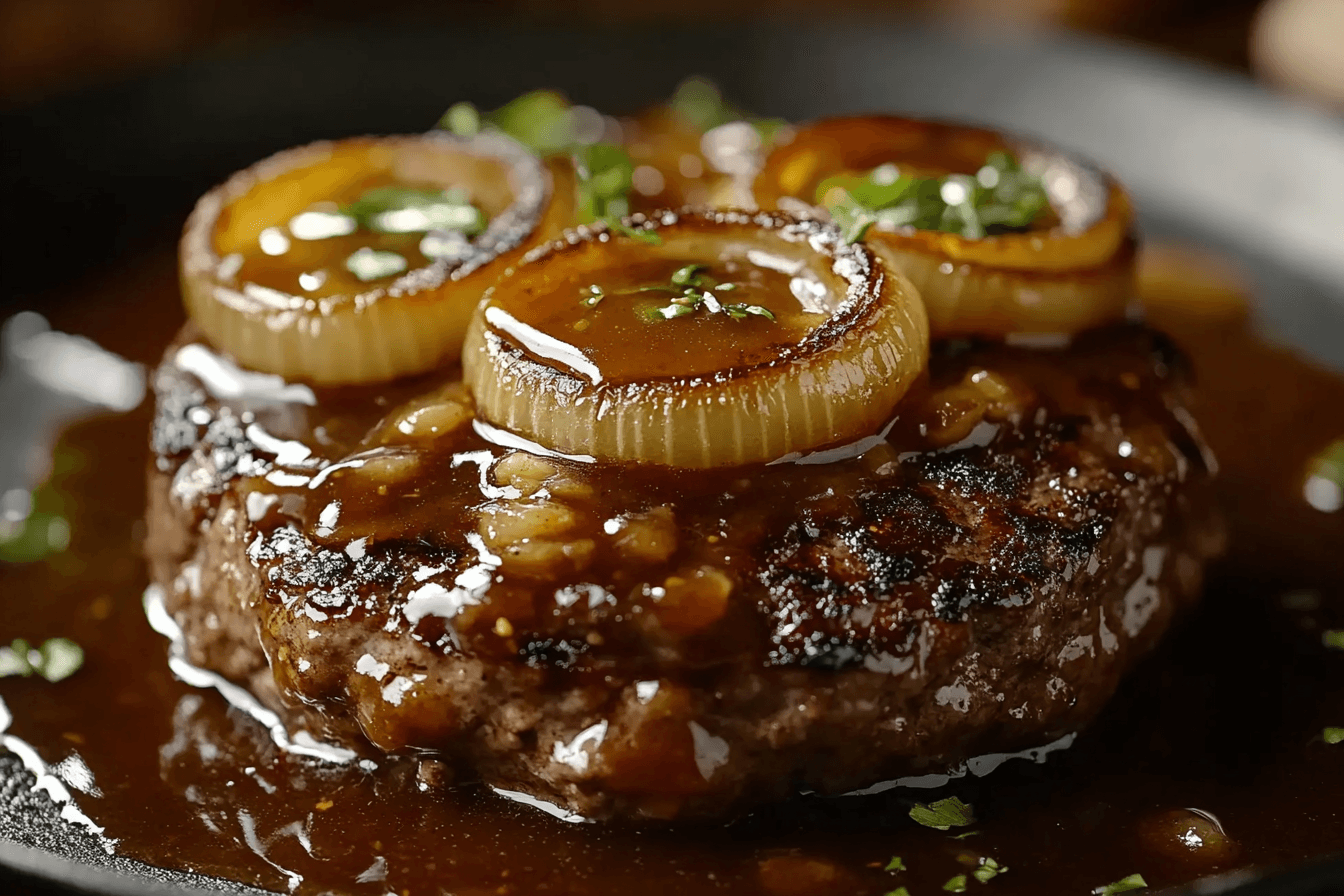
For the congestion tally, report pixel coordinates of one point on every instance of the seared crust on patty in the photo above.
(625, 641)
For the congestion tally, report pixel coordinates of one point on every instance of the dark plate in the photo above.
(1208, 155)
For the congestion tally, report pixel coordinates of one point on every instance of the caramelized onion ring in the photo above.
(1074, 272)
(843, 342)
(371, 332)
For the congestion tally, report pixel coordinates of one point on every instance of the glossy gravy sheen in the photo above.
(1226, 718)
(639, 324)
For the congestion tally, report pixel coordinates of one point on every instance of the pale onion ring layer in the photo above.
(1074, 274)
(840, 382)
(410, 325)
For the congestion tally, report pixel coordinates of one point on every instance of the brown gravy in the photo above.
(1225, 719)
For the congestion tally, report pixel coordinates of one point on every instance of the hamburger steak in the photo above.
(380, 568)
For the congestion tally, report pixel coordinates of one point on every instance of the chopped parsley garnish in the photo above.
(1124, 885)
(55, 659)
(691, 290)
(988, 870)
(546, 123)
(740, 311)
(605, 174)
(644, 236)
(899, 891)
(396, 209)
(943, 814)
(999, 198)
(446, 217)
(1333, 638)
(896, 864)
(592, 296)
(689, 275)
(374, 264)
(36, 526)
(699, 102)
(956, 884)
(37, 537)
(542, 120)
(462, 119)
(963, 836)
(1333, 735)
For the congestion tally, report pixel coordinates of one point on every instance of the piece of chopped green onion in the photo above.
(988, 870)
(462, 119)
(1124, 885)
(943, 814)
(374, 264)
(739, 311)
(616, 225)
(689, 275)
(396, 209)
(55, 659)
(1000, 198)
(592, 296)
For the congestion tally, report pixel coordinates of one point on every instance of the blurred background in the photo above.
(51, 46)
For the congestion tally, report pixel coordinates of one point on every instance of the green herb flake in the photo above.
(462, 119)
(988, 870)
(896, 864)
(956, 884)
(397, 209)
(55, 660)
(1333, 735)
(14, 659)
(616, 225)
(674, 310)
(1000, 198)
(965, 835)
(943, 814)
(373, 264)
(37, 537)
(691, 290)
(542, 120)
(899, 891)
(689, 275)
(739, 311)
(1124, 885)
(1333, 639)
(768, 129)
(60, 658)
(698, 102)
(605, 175)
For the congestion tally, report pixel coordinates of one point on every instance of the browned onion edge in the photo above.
(528, 179)
(855, 264)
(1108, 200)
(879, 305)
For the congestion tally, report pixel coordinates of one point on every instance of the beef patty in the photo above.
(618, 640)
